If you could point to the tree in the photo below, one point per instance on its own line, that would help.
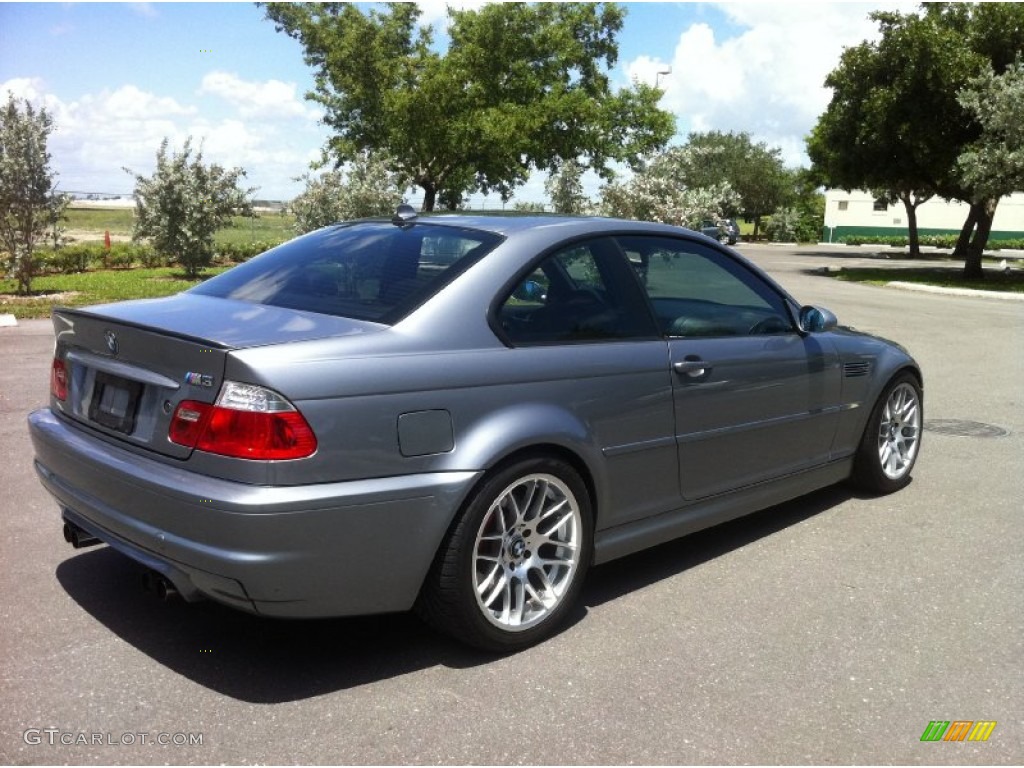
(367, 188)
(184, 203)
(802, 214)
(520, 87)
(880, 130)
(564, 188)
(894, 124)
(528, 206)
(993, 165)
(658, 192)
(755, 172)
(29, 202)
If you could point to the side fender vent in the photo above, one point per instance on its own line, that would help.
(856, 370)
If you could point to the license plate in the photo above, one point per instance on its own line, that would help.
(114, 402)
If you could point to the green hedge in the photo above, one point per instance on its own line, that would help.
(81, 257)
(937, 241)
(239, 252)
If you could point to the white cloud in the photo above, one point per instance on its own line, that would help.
(147, 10)
(769, 79)
(31, 88)
(435, 12)
(96, 135)
(270, 98)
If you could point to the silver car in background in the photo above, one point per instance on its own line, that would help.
(457, 414)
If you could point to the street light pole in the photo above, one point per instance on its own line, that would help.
(659, 73)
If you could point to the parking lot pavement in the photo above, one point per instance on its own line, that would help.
(831, 629)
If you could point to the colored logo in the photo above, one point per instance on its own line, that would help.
(199, 379)
(958, 730)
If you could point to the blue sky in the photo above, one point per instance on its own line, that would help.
(118, 77)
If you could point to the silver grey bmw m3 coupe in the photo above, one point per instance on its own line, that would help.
(457, 415)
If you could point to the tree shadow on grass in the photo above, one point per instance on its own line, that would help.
(262, 660)
(951, 276)
(882, 254)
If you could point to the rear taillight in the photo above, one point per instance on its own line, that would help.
(246, 422)
(59, 380)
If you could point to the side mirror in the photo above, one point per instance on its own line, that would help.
(816, 320)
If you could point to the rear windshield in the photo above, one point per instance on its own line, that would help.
(366, 270)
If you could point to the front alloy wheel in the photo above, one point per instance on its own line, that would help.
(899, 431)
(892, 438)
(511, 567)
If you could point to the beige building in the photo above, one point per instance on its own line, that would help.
(859, 213)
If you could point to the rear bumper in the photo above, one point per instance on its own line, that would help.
(332, 549)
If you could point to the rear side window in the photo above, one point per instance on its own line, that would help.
(367, 270)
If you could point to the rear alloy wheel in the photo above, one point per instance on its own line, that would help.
(892, 438)
(514, 563)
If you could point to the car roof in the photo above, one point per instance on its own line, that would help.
(562, 226)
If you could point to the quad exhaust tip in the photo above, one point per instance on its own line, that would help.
(78, 538)
(152, 581)
(159, 585)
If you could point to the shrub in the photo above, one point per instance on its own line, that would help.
(935, 241)
(236, 253)
(892, 240)
(74, 258)
(120, 258)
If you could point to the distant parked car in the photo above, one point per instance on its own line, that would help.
(732, 231)
(456, 413)
(723, 230)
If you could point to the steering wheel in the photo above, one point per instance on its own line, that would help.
(770, 324)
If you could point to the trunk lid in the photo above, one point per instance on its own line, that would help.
(129, 364)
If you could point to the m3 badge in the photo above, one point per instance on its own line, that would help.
(199, 379)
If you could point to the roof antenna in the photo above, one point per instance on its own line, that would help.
(405, 214)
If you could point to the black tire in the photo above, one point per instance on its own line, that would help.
(494, 557)
(892, 438)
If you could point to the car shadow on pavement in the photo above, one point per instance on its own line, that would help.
(266, 661)
(247, 657)
(620, 577)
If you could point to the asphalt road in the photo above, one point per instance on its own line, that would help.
(831, 629)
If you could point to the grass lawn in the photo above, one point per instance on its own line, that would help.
(947, 277)
(95, 287)
(269, 227)
(99, 220)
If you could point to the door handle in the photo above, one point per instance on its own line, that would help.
(692, 366)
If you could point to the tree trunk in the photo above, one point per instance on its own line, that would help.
(965, 233)
(912, 234)
(429, 195)
(757, 227)
(972, 262)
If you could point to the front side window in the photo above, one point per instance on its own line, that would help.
(366, 270)
(696, 291)
(581, 293)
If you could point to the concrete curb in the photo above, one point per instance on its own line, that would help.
(1001, 295)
